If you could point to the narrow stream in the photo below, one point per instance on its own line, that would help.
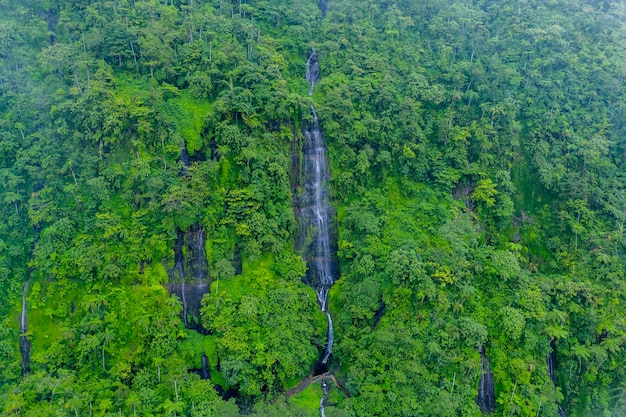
(325, 389)
(24, 342)
(330, 338)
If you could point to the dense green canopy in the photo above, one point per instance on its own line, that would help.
(478, 162)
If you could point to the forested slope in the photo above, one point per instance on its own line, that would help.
(477, 152)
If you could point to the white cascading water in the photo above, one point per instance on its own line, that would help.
(178, 265)
(325, 389)
(24, 342)
(189, 275)
(316, 216)
(23, 328)
(312, 71)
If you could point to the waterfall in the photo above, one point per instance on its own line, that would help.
(486, 398)
(379, 314)
(330, 339)
(323, 7)
(183, 157)
(24, 342)
(178, 266)
(319, 247)
(552, 365)
(188, 277)
(325, 390)
(200, 254)
(551, 360)
(316, 212)
(204, 373)
(312, 70)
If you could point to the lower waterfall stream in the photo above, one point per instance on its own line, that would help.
(24, 342)
(325, 389)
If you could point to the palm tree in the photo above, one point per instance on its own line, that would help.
(230, 95)
(172, 407)
(618, 394)
(107, 337)
(13, 198)
(582, 352)
(132, 400)
(144, 321)
(75, 402)
(158, 362)
(12, 182)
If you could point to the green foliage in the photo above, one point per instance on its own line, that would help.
(259, 345)
(190, 119)
(477, 161)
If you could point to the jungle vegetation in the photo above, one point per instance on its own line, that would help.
(478, 163)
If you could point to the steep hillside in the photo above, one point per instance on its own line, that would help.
(156, 214)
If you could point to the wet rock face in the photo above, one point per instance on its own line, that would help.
(551, 361)
(190, 294)
(486, 398)
(178, 257)
(184, 157)
(196, 265)
(379, 314)
(25, 352)
(237, 261)
(317, 216)
(323, 7)
(313, 72)
(552, 365)
(189, 278)
(205, 374)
